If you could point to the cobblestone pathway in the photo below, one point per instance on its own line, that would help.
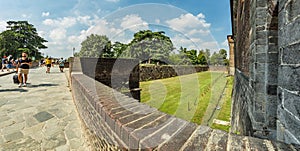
(41, 116)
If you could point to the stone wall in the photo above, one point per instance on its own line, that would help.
(288, 121)
(153, 72)
(120, 74)
(267, 74)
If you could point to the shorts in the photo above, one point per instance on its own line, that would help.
(48, 65)
(24, 71)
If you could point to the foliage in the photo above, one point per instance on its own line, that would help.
(119, 48)
(96, 46)
(187, 57)
(147, 45)
(21, 36)
(201, 59)
(219, 58)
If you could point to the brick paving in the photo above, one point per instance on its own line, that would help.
(41, 116)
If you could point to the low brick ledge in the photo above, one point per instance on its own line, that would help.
(117, 122)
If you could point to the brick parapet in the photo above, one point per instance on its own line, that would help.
(116, 122)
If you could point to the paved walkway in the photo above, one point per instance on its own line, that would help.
(41, 116)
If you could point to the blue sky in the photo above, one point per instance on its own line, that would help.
(194, 24)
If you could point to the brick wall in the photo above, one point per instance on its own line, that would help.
(114, 121)
(120, 74)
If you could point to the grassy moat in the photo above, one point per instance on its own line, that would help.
(199, 97)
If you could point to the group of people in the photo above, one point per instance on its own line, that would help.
(23, 64)
(49, 62)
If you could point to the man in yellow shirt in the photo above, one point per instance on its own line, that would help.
(48, 62)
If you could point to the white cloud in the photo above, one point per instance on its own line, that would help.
(58, 34)
(45, 14)
(3, 25)
(61, 22)
(85, 20)
(195, 32)
(188, 22)
(26, 16)
(200, 15)
(115, 1)
(134, 23)
(157, 21)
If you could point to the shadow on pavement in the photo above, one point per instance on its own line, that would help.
(42, 85)
(14, 90)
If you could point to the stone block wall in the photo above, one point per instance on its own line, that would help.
(288, 121)
(267, 55)
(256, 58)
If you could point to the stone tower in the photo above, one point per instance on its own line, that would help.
(266, 96)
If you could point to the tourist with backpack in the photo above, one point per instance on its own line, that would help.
(23, 68)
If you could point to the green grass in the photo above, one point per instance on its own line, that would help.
(220, 127)
(225, 111)
(189, 97)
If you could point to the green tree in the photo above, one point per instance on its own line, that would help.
(219, 58)
(147, 45)
(21, 36)
(96, 46)
(207, 55)
(119, 49)
(201, 58)
(192, 55)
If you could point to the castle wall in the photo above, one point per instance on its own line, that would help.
(256, 59)
(267, 77)
(288, 122)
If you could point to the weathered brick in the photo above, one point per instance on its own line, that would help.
(164, 134)
(177, 141)
(199, 139)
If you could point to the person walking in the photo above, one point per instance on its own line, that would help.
(48, 63)
(4, 62)
(61, 63)
(23, 68)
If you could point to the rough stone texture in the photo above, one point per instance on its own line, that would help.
(288, 122)
(267, 81)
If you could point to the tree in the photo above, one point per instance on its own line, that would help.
(147, 45)
(219, 58)
(21, 36)
(96, 46)
(192, 55)
(201, 58)
(119, 48)
(207, 55)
